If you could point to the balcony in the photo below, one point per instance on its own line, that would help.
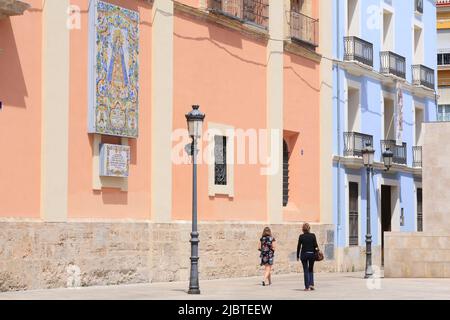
(398, 151)
(12, 8)
(423, 76)
(247, 11)
(418, 6)
(356, 49)
(304, 29)
(417, 157)
(393, 64)
(355, 143)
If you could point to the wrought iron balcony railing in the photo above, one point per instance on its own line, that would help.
(419, 5)
(304, 28)
(355, 142)
(250, 11)
(357, 49)
(417, 157)
(423, 76)
(398, 151)
(392, 63)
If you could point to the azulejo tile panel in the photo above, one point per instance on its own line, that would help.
(114, 160)
(114, 70)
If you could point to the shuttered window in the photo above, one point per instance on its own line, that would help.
(419, 210)
(220, 158)
(353, 214)
(285, 174)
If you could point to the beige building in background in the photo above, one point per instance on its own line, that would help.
(427, 254)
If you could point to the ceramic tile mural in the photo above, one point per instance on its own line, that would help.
(114, 70)
(114, 160)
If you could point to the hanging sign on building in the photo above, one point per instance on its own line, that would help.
(113, 70)
(114, 160)
(399, 115)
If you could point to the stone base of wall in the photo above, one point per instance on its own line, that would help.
(417, 255)
(353, 259)
(49, 255)
(38, 255)
(230, 250)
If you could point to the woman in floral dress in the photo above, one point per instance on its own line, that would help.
(267, 249)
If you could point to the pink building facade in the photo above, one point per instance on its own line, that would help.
(255, 72)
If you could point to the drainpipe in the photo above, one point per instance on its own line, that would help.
(338, 97)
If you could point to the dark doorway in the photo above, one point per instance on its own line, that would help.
(353, 204)
(386, 215)
(285, 174)
(419, 210)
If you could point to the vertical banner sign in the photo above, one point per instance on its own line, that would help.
(113, 70)
(399, 114)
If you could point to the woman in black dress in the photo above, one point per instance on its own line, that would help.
(267, 249)
(307, 245)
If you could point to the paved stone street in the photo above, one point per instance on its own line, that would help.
(285, 287)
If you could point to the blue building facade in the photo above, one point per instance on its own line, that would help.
(383, 90)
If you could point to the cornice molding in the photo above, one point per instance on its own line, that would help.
(357, 163)
(359, 69)
(302, 51)
(222, 20)
(12, 8)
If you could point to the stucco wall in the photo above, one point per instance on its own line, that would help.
(83, 201)
(20, 117)
(224, 72)
(302, 134)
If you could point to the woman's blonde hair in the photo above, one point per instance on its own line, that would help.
(267, 232)
(306, 228)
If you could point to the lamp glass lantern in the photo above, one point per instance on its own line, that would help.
(368, 155)
(388, 156)
(195, 122)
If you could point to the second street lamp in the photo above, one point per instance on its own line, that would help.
(368, 159)
(195, 124)
(387, 158)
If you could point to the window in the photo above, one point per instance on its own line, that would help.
(419, 116)
(220, 160)
(444, 112)
(418, 45)
(419, 211)
(388, 31)
(353, 196)
(353, 110)
(419, 6)
(353, 18)
(285, 174)
(443, 59)
(389, 124)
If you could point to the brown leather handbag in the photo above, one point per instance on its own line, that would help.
(319, 255)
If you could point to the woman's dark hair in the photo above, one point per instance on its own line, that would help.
(267, 232)
(306, 228)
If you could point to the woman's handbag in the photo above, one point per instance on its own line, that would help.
(319, 255)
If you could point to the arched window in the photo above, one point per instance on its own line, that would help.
(285, 174)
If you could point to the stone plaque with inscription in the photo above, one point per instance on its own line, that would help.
(114, 160)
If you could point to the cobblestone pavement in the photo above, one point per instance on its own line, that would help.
(285, 287)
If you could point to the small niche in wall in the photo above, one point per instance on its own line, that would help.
(111, 157)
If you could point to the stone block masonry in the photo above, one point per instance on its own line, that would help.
(417, 255)
(39, 255)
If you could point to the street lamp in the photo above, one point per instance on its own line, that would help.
(388, 155)
(368, 159)
(194, 122)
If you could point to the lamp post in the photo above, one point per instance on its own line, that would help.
(368, 159)
(388, 155)
(194, 122)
